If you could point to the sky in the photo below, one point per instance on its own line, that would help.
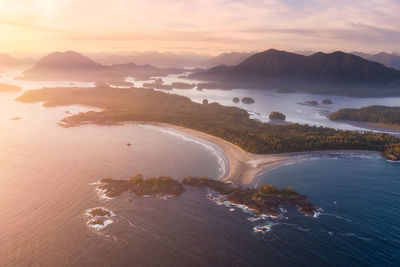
(200, 26)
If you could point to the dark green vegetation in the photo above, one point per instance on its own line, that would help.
(266, 199)
(162, 185)
(229, 123)
(310, 103)
(327, 101)
(382, 114)
(248, 100)
(180, 85)
(99, 212)
(275, 115)
(336, 73)
(9, 88)
(392, 152)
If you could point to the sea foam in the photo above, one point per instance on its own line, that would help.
(222, 161)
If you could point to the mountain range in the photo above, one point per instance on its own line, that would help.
(7, 61)
(333, 73)
(72, 66)
(391, 60)
(170, 59)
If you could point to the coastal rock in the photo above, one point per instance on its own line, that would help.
(248, 100)
(327, 101)
(275, 115)
(181, 85)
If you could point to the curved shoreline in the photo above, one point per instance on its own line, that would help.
(217, 150)
(242, 166)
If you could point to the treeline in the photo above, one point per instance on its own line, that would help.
(230, 123)
(382, 114)
(266, 199)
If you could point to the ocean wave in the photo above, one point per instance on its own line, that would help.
(393, 161)
(336, 216)
(98, 222)
(222, 161)
(263, 228)
(101, 193)
(317, 213)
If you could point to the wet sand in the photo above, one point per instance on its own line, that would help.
(243, 166)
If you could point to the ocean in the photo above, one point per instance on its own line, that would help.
(48, 180)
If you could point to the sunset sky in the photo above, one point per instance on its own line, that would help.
(202, 26)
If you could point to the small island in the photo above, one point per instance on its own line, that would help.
(236, 100)
(99, 217)
(205, 101)
(248, 100)
(327, 101)
(310, 103)
(121, 84)
(275, 115)
(181, 85)
(9, 88)
(267, 199)
(163, 185)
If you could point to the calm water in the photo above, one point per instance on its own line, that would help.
(360, 221)
(45, 188)
(268, 101)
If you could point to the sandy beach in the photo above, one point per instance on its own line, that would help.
(243, 166)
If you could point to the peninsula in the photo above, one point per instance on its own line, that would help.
(231, 124)
(388, 117)
(267, 199)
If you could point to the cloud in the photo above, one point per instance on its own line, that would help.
(218, 24)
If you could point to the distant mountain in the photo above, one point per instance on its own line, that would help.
(7, 61)
(72, 66)
(389, 60)
(145, 72)
(156, 59)
(172, 60)
(229, 59)
(335, 73)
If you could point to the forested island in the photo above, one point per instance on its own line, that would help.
(267, 199)
(229, 123)
(163, 185)
(379, 114)
(275, 115)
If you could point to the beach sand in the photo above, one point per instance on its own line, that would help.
(243, 166)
